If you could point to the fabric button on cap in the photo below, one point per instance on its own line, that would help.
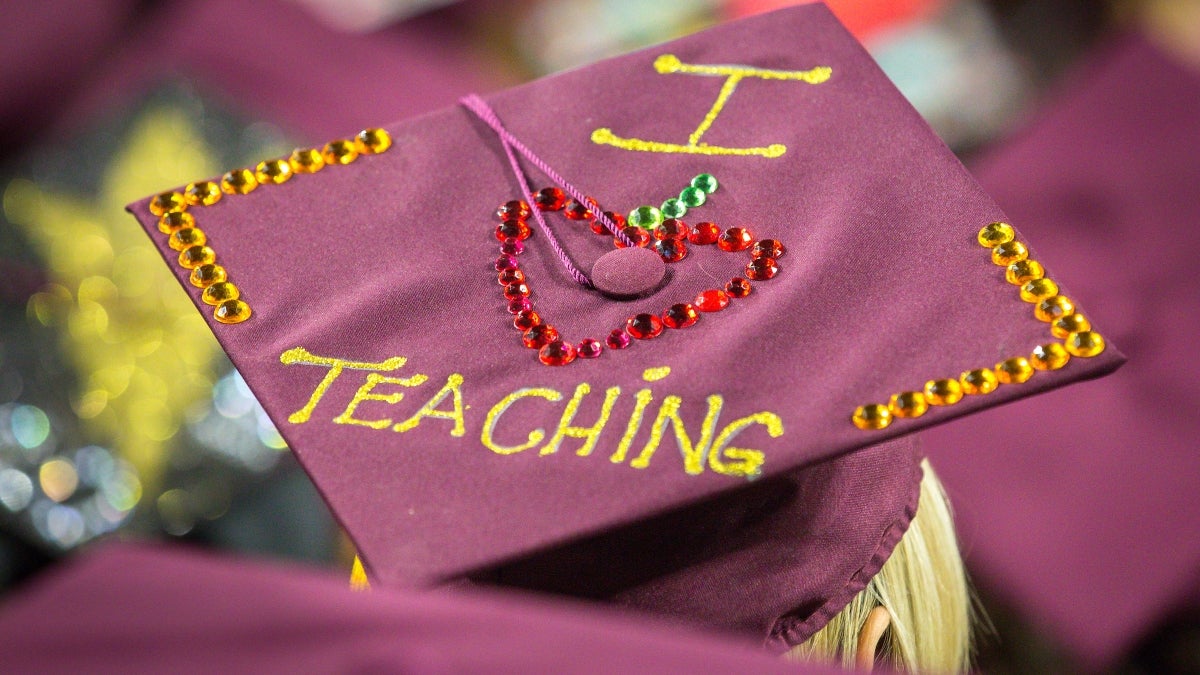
(628, 272)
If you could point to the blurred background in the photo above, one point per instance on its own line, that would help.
(120, 416)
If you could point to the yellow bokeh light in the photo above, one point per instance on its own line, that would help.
(58, 479)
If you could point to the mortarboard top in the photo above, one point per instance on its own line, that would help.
(383, 347)
(133, 609)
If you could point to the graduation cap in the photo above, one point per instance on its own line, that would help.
(657, 330)
(123, 609)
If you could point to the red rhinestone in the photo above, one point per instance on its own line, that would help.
(512, 246)
(517, 290)
(550, 199)
(644, 326)
(527, 319)
(616, 218)
(761, 268)
(618, 339)
(636, 234)
(712, 300)
(704, 233)
(768, 248)
(518, 305)
(737, 287)
(539, 336)
(671, 250)
(576, 211)
(590, 349)
(505, 262)
(735, 239)
(514, 210)
(672, 228)
(557, 353)
(680, 315)
(513, 276)
(513, 229)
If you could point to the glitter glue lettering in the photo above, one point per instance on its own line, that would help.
(706, 445)
(590, 434)
(453, 388)
(733, 74)
(303, 356)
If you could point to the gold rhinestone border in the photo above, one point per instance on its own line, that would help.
(1072, 328)
(173, 209)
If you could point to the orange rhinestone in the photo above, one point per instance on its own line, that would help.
(908, 404)
(204, 193)
(339, 152)
(1009, 252)
(273, 171)
(979, 381)
(1054, 308)
(175, 220)
(1038, 290)
(557, 353)
(167, 202)
(1050, 356)
(238, 182)
(1014, 371)
(735, 239)
(768, 248)
(232, 311)
(196, 256)
(738, 287)
(526, 319)
(995, 234)
(220, 292)
(539, 336)
(872, 416)
(943, 392)
(206, 275)
(188, 236)
(712, 300)
(306, 160)
(1071, 323)
(761, 268)
(680, 315)
(510, 276)
(1085, 343)
(1024, 270)
(372, 141)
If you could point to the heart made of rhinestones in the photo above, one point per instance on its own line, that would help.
(668, 237)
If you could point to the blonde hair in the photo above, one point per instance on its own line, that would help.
(923, 586)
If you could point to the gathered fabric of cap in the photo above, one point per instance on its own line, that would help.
(1087, 526)
(369, 322)
(136, 609)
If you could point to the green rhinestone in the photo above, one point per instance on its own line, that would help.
(693, 196)
(706, 182)
(646, 217)
(673, 208)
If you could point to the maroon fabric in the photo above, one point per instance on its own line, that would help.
(884, 287)
(126, 609)
(273, 59)
(48, 47)
(775, 559)
(1089, 524)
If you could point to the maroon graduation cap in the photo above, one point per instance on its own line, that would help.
(133, 609)
(743, 274)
